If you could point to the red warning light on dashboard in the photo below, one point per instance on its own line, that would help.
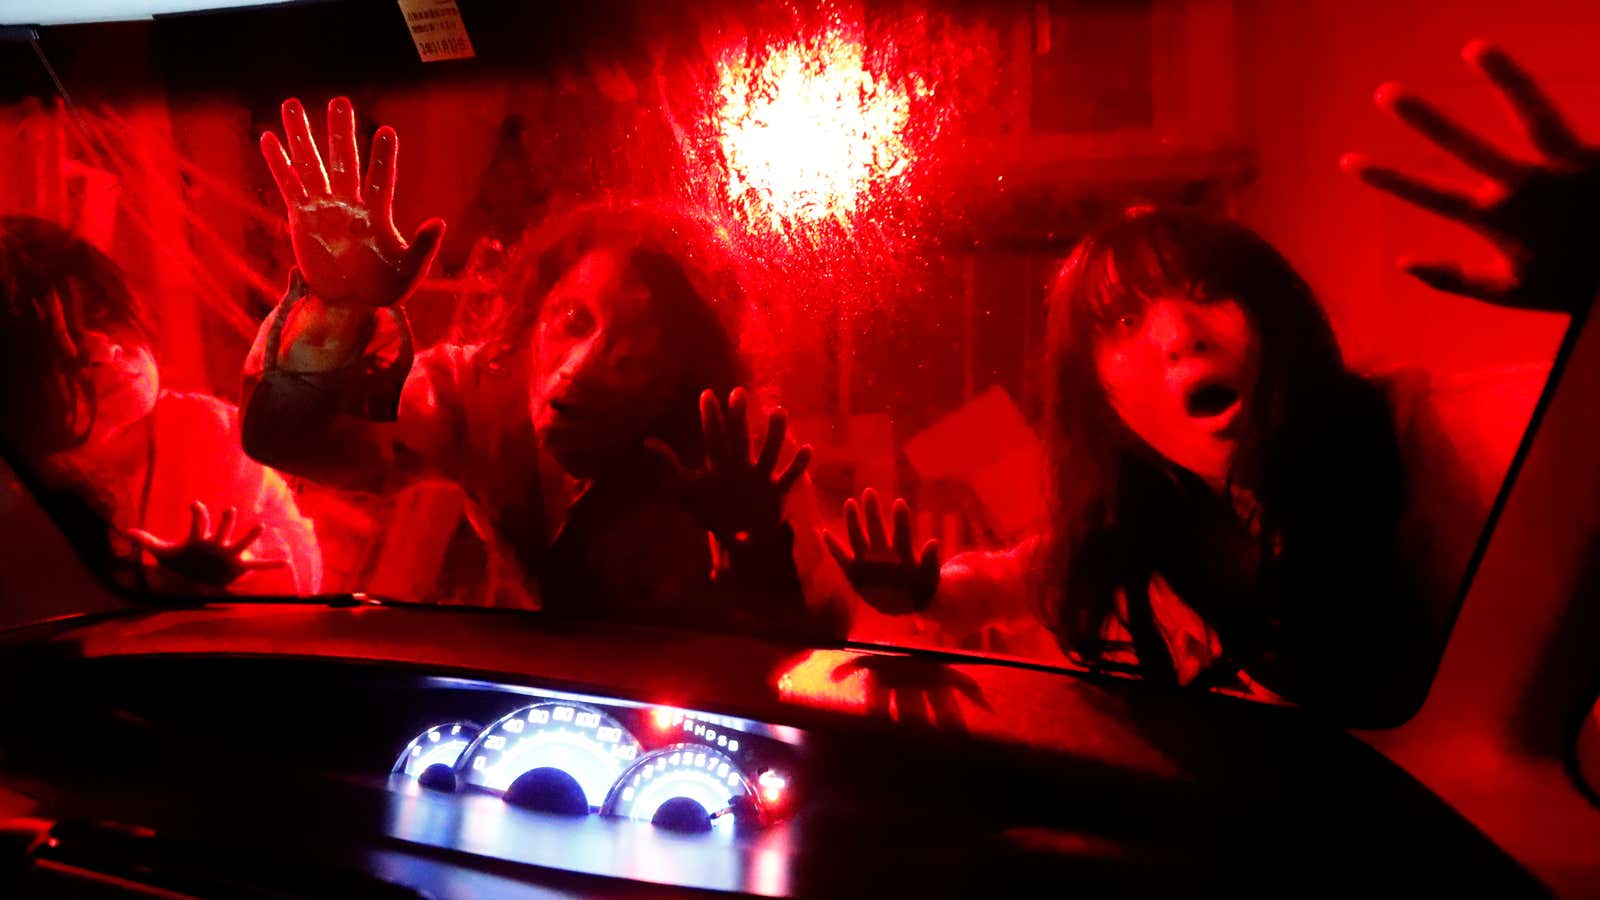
(664, 718)
(772, 786)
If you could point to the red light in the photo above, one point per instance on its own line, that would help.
(807, 130)
(663, 718)
(772, 786)
(820, 133)
(826, 678)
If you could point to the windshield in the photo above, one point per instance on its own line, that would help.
(1048, 330)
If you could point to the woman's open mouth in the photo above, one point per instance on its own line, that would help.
(1211, 400)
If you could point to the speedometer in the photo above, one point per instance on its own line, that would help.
(685, 787)
(556, 757)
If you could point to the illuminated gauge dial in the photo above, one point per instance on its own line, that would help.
(557, 757)
(685, 787)
(439, 745)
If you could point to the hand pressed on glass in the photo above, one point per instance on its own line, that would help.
(343, 231)
(739, 499)
(1543, 215)
(212, 557)
(881, 566)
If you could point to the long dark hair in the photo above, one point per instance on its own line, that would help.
(1319, 457)
(693, 275)
(54, 286)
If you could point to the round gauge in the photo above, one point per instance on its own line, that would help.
(439, 745)
(685, 787)
(560, 757)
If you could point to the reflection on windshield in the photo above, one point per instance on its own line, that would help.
(998, 331)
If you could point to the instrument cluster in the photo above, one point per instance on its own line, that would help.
(555, 752)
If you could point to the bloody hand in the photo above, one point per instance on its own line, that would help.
(1543, 216)
(342, 227)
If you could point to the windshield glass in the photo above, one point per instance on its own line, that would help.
(1043, 330)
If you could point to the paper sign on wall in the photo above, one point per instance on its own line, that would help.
(437, 29)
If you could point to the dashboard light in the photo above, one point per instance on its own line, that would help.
(708, 778)
(722, 740)
(593, 753)
(434, 746)
(772, 786)
(663, 718)
(578, 756)
(733, 746)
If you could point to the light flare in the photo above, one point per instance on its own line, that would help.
(809, 132)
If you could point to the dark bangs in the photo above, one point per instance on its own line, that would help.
(55, 286)
(697, 246)
(49, 273)
(1165, 253)
(1179, 253)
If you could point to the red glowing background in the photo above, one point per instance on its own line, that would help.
(903, 177)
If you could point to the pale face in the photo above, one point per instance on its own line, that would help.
(1180, 373)
(122, 371)
(601, 369)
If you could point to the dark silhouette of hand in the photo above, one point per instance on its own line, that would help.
(1543, 215)
(914, 692)
(739, 499)
(212, 558)
(880, 565)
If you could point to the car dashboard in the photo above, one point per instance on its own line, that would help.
(452, 775)
(239, 751)
(559, 779)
